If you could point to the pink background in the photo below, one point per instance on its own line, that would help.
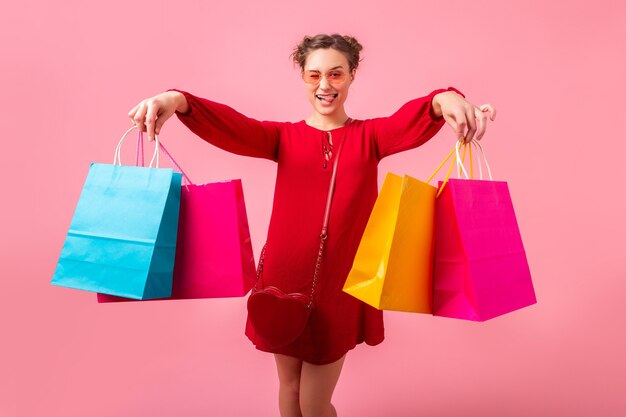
(71, 70)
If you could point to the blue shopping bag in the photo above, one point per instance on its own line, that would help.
(122, 238)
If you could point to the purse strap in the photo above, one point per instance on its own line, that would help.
(324, 232)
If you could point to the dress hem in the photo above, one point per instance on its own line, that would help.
(324, 361)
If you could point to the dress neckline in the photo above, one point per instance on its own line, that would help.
(350, 120)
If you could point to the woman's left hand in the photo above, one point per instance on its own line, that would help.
(468, 120)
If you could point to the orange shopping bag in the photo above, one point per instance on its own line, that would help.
(393, 266)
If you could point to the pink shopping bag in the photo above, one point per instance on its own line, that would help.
(481, 269)
(214, 252)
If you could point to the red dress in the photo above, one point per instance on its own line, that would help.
(339, 322)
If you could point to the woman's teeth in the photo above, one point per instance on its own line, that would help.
(329, 98)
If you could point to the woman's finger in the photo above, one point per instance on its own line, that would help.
(459, 130)
(471, 123)
(151, 117)
(140, 116)
(132, 111)
(489, 108)
(481, 117)
(461, 122)
(160, 121)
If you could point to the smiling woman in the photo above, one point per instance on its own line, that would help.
(327, 82)
(294, 259)
(328, 65)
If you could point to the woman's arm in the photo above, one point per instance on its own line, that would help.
(216, 123)
(409, 127)
(420, 119)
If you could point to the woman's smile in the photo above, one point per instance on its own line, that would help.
(326, 98)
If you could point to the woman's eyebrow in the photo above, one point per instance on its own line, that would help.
(333, 68)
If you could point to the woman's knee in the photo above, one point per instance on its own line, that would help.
(317, 409)
(291, 387)
(317, 385)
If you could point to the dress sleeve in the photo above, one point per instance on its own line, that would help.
(409, 127)
(230, 130)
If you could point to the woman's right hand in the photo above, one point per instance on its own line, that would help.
(150, 114)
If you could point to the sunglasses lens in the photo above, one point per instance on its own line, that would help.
(333, 77)
(336, 77)
(311, 77)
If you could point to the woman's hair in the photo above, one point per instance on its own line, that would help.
(347, 45)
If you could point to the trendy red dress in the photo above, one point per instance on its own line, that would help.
(339, 322)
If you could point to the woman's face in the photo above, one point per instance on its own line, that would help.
(327, 79)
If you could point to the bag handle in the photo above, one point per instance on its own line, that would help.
(460, 165)
(139, 155)
(117, 159)
(169, 156)
(447, 177)
(439, 168)
(458, 161)
(139, 151)
(482, 152)
(185, 177)
(452, 152)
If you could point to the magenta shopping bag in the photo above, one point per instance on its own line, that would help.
(481, 269)
(214, 252)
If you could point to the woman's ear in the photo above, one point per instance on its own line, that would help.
(352, 74)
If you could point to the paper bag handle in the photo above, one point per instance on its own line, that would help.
(139, 153)
(461, 167)
(117, 159)
(458, 161)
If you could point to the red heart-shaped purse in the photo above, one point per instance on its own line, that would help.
(277, 317)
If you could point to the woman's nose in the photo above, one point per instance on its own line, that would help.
(324, 84)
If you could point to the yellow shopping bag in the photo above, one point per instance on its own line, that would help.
(393, 266)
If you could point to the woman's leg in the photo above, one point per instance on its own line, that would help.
(317, 384)
(289, 371)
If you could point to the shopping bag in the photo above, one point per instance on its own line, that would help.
(481, 270)
(122, 238)
(392, 269)
(214, 251)
(393, 266)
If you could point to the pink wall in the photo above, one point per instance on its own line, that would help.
(71, 70)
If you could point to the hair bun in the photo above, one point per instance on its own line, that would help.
(354, 44)
(348, 45)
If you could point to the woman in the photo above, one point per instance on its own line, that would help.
(309, 368)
